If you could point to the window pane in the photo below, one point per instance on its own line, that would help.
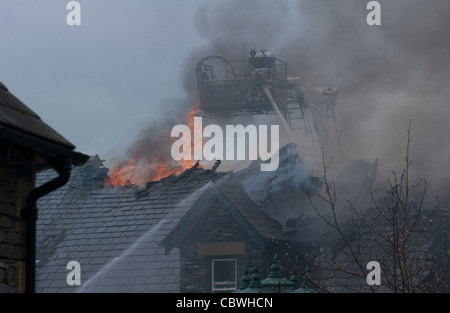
(224, 270)
(224, 275)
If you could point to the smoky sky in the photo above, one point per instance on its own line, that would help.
(225, 36)
(386, 75)
(124, 57)
(98, 84)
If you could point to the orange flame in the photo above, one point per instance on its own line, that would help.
(138, 171)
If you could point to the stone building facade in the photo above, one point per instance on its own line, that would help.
(193, 232)
(16, 181)
(220, 237)
(27, 144)
(217, 236)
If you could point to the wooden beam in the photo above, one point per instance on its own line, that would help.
(221, 248)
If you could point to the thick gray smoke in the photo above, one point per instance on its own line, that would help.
(225, 39)
(232, 28)
(386, 75)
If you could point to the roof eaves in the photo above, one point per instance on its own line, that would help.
(41, 145)
(242, 220)
(19, 125)
(188, 221)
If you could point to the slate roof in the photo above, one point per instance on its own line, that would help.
(15, 114)
(267, 227)
(281, 194)
(20, 125)
(115, 233)
(229, 193)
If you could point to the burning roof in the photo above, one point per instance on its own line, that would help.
(153, 165)
(113, 230)
(128, 238)
(117, 232)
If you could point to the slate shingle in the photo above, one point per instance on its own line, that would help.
(111, 232)
(115, 233)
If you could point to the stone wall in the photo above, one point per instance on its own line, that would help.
(219, 226)
(16, 180)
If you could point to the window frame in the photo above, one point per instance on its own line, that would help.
(213, 283)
